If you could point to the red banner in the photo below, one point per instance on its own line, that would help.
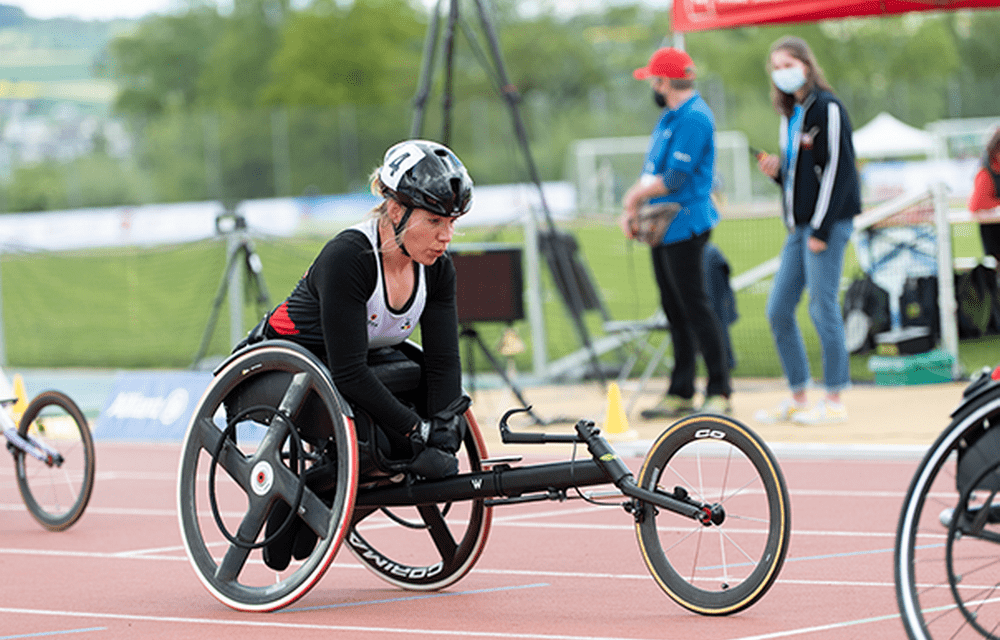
(701, 15)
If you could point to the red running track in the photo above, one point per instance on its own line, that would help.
(549, 571)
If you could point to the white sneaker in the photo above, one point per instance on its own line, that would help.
(825, 412)
(784, 412)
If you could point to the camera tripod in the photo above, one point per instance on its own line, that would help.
(473, 339)
(561, 261)
(240, 250)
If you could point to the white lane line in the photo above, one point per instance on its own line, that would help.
(160, 476)
(410, 598)
(825, 627)
(536, 573)
(43, 634)
(272, 624)
(409, 630)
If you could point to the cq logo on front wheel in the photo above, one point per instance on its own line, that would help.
(710, 433)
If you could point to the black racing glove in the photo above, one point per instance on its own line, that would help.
(447, 427)
(433, 463)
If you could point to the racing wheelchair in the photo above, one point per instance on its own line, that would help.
(948, 534)
(271, 434)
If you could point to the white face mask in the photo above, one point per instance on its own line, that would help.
(789, 79)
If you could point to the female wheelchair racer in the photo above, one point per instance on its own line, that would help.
(331, 428)
(363, 296)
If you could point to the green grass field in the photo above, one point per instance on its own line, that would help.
(148, 307)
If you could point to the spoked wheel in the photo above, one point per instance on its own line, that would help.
(56, 489)
(269, 441)
(427, 547)
(972, 531)
(948, 538)
(724, 566)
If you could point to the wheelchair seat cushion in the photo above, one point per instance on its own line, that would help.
(393, 369)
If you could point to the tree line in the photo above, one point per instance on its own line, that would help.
(270, 100)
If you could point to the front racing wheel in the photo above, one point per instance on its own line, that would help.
(724, 565)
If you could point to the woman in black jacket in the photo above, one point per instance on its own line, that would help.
(820, 197)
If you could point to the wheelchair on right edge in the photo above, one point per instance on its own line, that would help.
(709, 505)
(947, 553)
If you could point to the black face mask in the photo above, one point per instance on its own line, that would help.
(659, 99)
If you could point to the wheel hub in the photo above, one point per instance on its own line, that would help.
(261, 478)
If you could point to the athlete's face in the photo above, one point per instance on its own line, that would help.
(427, 235)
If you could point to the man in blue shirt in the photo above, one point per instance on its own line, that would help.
(679, 168)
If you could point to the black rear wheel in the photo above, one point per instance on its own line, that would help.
(269, 436)
(427, 547)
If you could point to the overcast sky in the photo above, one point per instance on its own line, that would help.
(106, 9)
(91, 9)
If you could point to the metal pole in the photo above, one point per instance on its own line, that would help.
(234, 244)
(426, 72)
(3, 340)
(563, 260)
(536, 317)
(449, 75)
(947, 305)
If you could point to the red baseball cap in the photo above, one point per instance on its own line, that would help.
(667, 63)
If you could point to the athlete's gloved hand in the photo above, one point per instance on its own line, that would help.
(447, 427)
(432, 463)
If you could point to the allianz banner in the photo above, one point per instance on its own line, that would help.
(151, 405)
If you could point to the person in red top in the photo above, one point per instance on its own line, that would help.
(986, 195)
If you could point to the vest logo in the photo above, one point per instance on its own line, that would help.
(133, 405)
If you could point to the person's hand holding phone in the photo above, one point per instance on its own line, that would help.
(768, 164)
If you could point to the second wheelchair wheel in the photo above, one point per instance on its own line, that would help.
(948, 535)
(267, 478)
(55, 486)
(727, 564)
(428, 547)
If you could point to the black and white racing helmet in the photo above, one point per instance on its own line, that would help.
(420, 174)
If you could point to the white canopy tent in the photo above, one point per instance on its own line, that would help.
(888, 137)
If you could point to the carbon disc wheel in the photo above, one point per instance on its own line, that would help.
(428, 547)
(270, 390)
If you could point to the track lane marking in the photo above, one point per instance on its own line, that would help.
(423, 596)
(411, 631)
(43, 634)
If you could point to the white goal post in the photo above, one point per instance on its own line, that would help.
(604, 167)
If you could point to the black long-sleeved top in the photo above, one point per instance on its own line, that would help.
(328, 313)
(826, 186)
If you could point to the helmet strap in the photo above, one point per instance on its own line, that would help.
(399, 228)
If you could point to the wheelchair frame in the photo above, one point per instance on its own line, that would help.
(728, 485)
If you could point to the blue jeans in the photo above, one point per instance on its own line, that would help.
(819, 272)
